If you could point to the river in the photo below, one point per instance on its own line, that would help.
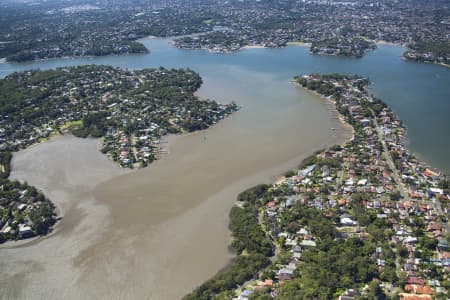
(158, 232)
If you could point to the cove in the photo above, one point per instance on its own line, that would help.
(418, 93)
(158, 232)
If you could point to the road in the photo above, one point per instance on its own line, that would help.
(269, 236)
(387, 156)
(403, 191)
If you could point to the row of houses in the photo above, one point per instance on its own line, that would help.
(372, 177)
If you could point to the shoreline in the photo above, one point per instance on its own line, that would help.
(217, 204)
(331, 105)
(59, 211)
(338, 138)
(67, 125)
(172, 43)
(4, 61)
(230, 192)
(64, 130)
(383, 42)
(405, 140)
(425, 62)
(247, 285)
(254, 47)
(300, 44)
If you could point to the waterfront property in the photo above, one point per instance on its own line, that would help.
(132, 110)
(363, 219)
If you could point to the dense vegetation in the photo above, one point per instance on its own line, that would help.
(326, 88)
(94, 124)
(241, 269)
(97, 49)
(429, 51)
(24, 97)
(247, 233)
(5, 161)
(355, 46)
(438, 47)
(335, 264)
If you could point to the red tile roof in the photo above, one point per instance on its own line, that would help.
(419, 289)
(415, 280)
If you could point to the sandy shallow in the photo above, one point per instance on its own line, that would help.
(254, 47)
(154, 233)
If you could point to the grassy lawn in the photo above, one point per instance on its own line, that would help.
(72, 124)
(298, 43)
